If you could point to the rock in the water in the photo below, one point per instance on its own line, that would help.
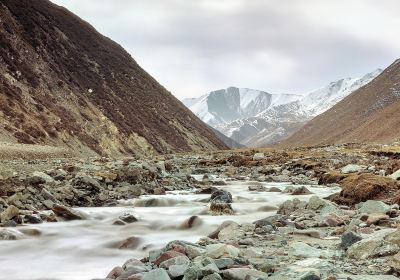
(9, 213)
(128, 218)
(68, 213)
(10, 234)
(302, 190)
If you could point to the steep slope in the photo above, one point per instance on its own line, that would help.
(260, 119)
(370, 114)
(62, 83)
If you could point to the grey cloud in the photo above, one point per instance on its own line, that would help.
(192, 48)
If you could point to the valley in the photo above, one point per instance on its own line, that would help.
(275, 214)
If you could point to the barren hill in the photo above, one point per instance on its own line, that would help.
(64, 84)
(370, 114)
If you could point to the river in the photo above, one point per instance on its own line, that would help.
(88, 249)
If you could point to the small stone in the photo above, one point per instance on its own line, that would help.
(348, 239)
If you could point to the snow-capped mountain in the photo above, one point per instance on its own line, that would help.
(227, 105)
(256, 118)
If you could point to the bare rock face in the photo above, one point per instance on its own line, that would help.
(62, 83)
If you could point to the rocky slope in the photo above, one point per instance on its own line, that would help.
(255, 118)
(370, 114)
(64, 84)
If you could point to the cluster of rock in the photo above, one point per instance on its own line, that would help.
(304, 240)
(48, 196)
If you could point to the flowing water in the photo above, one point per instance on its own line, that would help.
(82, 250)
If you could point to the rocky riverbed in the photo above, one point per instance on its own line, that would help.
(326, 213)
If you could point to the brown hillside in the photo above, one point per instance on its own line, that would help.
(62, 83)
(370, 114)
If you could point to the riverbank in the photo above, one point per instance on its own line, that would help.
(105, 209)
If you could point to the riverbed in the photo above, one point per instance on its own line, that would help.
(89, 249)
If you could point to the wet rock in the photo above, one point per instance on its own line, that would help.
(348, 239)
(9, 213)
(257, 188)
(159, 191)
(33, 219)
(193, 221)
(130, 243)
(221, 202)
(128, 218)
(115, 272)
(274, 189)
(68, 213)
(10, 234)
(118, 223)
(290, 206)
(221, 196)
(302, 190)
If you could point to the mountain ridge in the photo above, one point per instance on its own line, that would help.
(369, 114)
(65, 84)
(276, 120)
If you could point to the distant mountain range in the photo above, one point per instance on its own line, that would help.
(257, 118)
(370, 114)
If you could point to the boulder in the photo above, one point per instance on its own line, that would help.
(244, 274)
(358, 188)
(128, 218)
(373, 206)
(156, 274)
(289, 206)
(348, 239)
(10, 234)
(293, 190)
(68, 213)
(9, 213)
(395, 175)
(258, 156)
(352, 168)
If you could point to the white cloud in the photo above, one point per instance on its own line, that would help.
(194, 46)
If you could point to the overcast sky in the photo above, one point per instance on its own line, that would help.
(291, 46)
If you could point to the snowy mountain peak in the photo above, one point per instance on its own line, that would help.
(230, 104)
(258, 118)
